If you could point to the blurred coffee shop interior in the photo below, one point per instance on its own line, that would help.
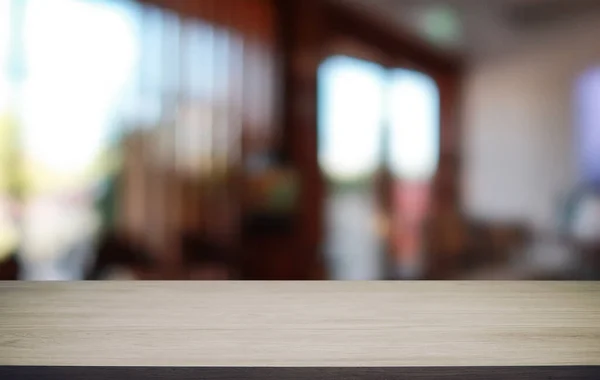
(299, 139)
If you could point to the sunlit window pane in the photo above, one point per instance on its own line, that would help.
(413, 105)
(76, 81)
(351, 97)
(80, 56)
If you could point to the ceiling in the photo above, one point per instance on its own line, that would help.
(476, 28)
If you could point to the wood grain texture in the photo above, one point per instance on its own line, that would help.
(300, 323)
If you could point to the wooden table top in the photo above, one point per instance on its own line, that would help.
(300, 323)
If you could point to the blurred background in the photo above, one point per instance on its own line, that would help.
(299, 139)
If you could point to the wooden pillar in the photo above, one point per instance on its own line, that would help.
(302, 31)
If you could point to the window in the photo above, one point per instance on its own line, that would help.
(413, 106)
(70, 67)
(351, 100)
(356, 100)
(118, 102)
(350, 122)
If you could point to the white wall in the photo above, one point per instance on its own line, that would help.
(518, 138)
